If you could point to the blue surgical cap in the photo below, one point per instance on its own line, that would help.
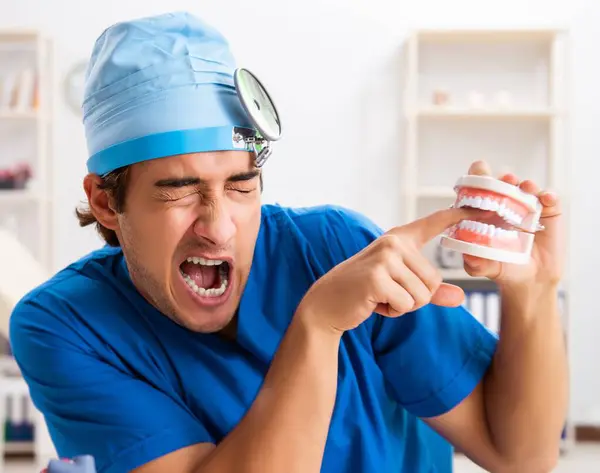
(160, 86)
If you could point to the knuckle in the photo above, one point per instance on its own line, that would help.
(379, 276)
(380, 259)
(389, 242)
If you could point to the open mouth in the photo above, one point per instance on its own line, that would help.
(504, 229)
(206, 277)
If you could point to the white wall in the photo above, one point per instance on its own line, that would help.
(334, 69)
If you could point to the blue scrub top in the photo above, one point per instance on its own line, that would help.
(118, 380)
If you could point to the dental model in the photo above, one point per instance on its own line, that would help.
(506, 228)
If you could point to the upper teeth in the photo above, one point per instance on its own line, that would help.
(204, 261)
(485, 203)
(489, 230)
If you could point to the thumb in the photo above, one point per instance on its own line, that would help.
(448, 295)
(481, 267)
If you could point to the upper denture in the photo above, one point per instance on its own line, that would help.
(510, 210)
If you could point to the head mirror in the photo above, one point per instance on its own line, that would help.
(258, 104)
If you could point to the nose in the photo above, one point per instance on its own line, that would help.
(216, 225)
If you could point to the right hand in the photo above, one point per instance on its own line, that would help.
(391, 276)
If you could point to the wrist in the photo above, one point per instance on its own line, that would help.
(528, 299)
(527, 291)
(310, 322)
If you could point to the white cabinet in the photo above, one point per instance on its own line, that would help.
(25, 191)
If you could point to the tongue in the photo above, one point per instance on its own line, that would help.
(204, 276)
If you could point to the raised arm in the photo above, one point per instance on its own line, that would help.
(503, 403)
(518, 413)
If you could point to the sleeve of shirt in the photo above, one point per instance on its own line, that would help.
(432, 358)
(90, 406)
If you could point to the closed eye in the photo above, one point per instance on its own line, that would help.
(178, 188)
(173, 196)
(243, 191)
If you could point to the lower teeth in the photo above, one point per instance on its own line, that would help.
(212, 292)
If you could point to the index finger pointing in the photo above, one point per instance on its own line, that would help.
(426, 228)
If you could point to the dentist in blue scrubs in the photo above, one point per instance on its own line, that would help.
(215, 334)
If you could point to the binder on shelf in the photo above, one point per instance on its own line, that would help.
(484, 305)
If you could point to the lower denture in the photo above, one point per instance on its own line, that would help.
(486, 240)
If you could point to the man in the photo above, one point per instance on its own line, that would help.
(216, 334)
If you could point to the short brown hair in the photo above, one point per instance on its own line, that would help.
(115, 185)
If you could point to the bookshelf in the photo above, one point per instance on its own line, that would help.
(25, 139)
(26, 113)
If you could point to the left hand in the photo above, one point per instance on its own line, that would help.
(546, 264)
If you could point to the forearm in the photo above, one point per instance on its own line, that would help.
(526, 393)
(286, 427)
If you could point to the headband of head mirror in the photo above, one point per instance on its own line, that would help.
(157, 87)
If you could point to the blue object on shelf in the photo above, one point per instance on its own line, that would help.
(22, 432)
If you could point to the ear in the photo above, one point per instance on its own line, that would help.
(99, 202)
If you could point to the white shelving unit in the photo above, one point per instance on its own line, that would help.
(26, 80)
(496, 95)
(26, 111)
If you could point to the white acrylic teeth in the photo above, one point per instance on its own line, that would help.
(511, 241)
(485, 203)
(487, 229)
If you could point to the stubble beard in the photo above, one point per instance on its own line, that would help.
(150, 287)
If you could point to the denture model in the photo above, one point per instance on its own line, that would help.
(504, 230)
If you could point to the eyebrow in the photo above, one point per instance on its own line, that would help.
(178, 182)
